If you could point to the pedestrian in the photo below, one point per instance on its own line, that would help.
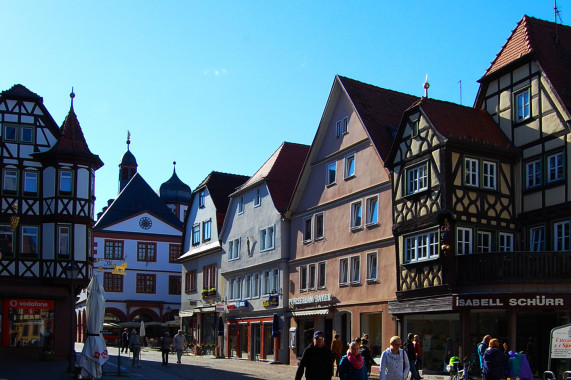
(166, 342)
(495, 361)
(316, 361)
(337, 351)
(394, 361)
(135, 347)
(418, 352)
(367, 356)
(179, 343)
(352, 366)
(411, 354)
(482, 347)
(125, 341)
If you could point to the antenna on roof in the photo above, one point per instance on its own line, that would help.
(460, 82)
(557, 12)
(128, 139)
(426, 85)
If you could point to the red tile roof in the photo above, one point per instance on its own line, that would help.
(549, 43)
(380, 110)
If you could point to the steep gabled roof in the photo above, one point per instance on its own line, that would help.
(380, 110)
(135, 198)
(280, 172)
(549, 43)
(21, 92)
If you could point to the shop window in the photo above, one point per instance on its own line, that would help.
(30, 323)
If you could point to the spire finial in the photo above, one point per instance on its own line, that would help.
(174, 166)
(426, 85)
(128, 139)
(72, 95)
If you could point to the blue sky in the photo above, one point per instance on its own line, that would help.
(219, 85)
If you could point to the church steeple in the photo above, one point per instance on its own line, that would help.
(128, 166)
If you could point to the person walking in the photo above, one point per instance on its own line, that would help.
(394, 361)
(495, 360)
(125, 341)
(411, 354)
(316, 361)
(352, 366)
(337, 351)
(366, 354)
(482, 347)
(166, 342)
(135, 347)
(418, 352)
(179, 344)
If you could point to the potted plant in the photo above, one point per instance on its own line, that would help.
(212, 291)
(204, 293)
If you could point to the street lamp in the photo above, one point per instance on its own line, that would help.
(71, 272)
(168, 313)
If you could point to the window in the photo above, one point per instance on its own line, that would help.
(63, 240)
(463, 241)
(414, 128)
(30, 240)
(257, 198)
(6, 241)
(275, 281)
(146, 251)
(65, 182)
(190, 281)
(231, 287)
(343, 271)
(266, 283)
(175, 285)
(489, 175)
(555, 167)
(561, 236)
(255, 285)
(533, 174)
(307, 229)
(235, 288)
(146, 283)
(312, 276)
(350, 166)
(27, 135)
(537, 239)
(372, 210)
(206, 230)
(506, 243)
(114, 249)
(319, 226)
(234, 249)
(10, 181)
(321, 274)
(522, 111)
(372, 266)
(331, 173)
(112, 282)
(421, 247)
(30, 183)
(174, 252)
(248, 287)
(303, 277)
(356, 219)
(355, 269)
(417, 179)
(209, 277)
(201, 198)
(342, 126)
(471, 172)
(267, 239)
(10, 133)
(241, 205)
(484, 241)
(196, 234)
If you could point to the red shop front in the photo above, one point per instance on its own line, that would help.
(250, 338)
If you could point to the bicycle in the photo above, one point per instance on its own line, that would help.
(461, 374)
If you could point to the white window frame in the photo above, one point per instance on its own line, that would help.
(331, 168)
(356, 215)
(303, 278)
(275, 281)
(32, 233)
(307, 229)
(30, 177)
(257, 198)
(344, 271)
(484, 241)
(317, 233)
(256, 285)
(421, 247)
(355, 272)
(417, 178)
(231, 285)
(239, 285)
(64, 240)
(234, 249)
(247, 286)
(537, 239)
(195, 236)
(350, 162)
(372, 211)
(372, 266)
(207, 228)
(533, 174)
(555, 167)
(489, 175)
(505, 242)
(471, 171)
(201, 198)
(342, 127)
(522, 109)
(266, 283)
(240, 205)
(267, 238)
(321, 274)
(65, 179)
(464, 241)
(561, 236)
(10, 182)
(311, 276)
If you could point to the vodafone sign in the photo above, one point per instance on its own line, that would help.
(16, 303)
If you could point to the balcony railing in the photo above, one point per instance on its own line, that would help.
(513, 267)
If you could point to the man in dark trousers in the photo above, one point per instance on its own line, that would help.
(317, 360)
(410, 352)
(125, 341)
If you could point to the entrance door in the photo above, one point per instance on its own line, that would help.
(268, 342)
(256, 341)
(328, 331)
(345, 334)
(243, 340)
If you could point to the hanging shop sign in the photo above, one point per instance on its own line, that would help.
(272, 301)
(243, 304)
(528, 301)
(319, 298)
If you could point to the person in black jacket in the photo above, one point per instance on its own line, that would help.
(495, 361)
(317, 360)
(125, 341)
(366, 354)
(411, 353)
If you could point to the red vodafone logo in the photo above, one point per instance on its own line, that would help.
(13, 303)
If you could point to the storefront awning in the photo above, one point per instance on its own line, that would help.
(209, 309)
(302, 313)
(185, 313)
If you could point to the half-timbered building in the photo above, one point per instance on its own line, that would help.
(47, 198)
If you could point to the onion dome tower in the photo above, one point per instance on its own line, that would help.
(175, 194)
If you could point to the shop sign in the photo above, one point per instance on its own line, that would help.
(30, 304)
(219, 308)
(514, 301)
(238, 305)
(272, 301)
(561, 342)
(310, 299)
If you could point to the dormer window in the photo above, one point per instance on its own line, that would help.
(342, 126)
(258, 198)
(522, 108)
(241, 205)
(201, 198)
